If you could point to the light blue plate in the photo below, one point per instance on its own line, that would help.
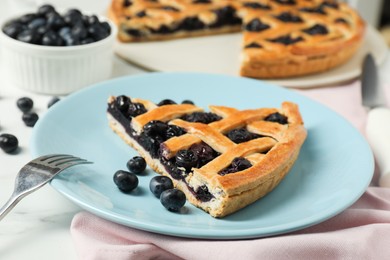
(333, 170)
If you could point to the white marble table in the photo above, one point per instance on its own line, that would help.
(38, 228)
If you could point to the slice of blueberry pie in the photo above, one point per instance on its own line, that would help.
(223, 160)
(281, 38)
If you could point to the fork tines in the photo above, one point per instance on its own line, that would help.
(62, 160)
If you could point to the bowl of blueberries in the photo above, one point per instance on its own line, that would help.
(57, 53)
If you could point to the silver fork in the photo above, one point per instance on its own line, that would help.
(37, 173)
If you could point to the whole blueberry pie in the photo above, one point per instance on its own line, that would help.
(223, 160)
(281, 38)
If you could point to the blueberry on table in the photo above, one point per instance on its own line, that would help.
(126, 181)
(173, 199)
(30, 118)
(8, 143)
(158, 184)
(136, 164)
(25, 104)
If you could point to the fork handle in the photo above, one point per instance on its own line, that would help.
(10, 204)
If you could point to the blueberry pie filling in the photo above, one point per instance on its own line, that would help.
(316, 30)
(256, 25)
(210, 155)
(254, 45)
(255, 5)
(286, 39)
(289, 18)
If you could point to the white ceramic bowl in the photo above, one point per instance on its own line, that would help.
(56, 70)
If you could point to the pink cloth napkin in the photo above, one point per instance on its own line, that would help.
(360, 232)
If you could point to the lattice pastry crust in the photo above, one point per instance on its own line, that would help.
(243, 167)
(281, 38)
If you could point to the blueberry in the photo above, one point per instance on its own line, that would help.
(254, 5)
(126, 181)
(25, 104)
(277, 118)
(136, 164)
(256, 25)
(93, 19)
(106, 26)
(225, 15)
(79, 31)
(52, 101)
(240, 163)
(55, 21)
(87, 41)
(173, 199)
(150, 145)
(174, 130)
(30, 118)
(154, 128)
(202, 193)
(122, 103)
(27, 18)
(97, 32)
(241, 135)
(136, 109)
(289, 18)
(186, 101)
(51, 38)
(191, 24)
(204, 153)
(45, 9)
(158, 184)
(28, 36)
(71, 41)
(201, 117)
(316, 29)
(166, 102)
(37, 22)
(8, 143)
(72, 17)
(286, 39)
(41, 30)
(186, 159)
(12, 29)
(64, 32)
